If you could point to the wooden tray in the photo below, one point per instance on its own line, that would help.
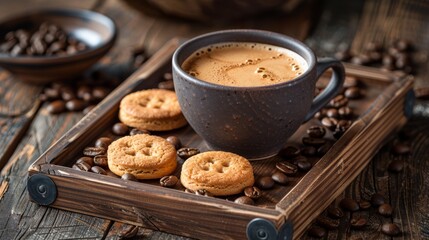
(282, 211)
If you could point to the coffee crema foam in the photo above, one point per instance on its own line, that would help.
(245, 64)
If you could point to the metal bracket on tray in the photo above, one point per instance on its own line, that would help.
(262, 229)
(42, 189)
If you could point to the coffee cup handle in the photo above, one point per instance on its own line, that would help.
(333, 88)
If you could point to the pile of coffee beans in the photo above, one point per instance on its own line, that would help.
(47, 40)
(395, 57)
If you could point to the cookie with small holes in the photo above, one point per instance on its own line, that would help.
(142, 155)
(220, 173)
(152, 109)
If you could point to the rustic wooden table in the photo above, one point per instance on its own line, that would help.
(27, 129)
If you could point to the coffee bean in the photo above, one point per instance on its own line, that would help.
(94, 151)
(377, 199)
(322, 150)
(168, 85)
(203, 192)
(316, 131)
(316, 232)
(175, 141)
(189, 191)
(101, 160)
(316, 142)
(67, 94)
(337, 133)
(87, 160)
(361, 60)
(99, 93)
(128, 177)
(244, 200)
(56, 107)
(401, 148)
(385, 210)
(349, 204)
(388, 60)
(396, 166)
(332, 113)
(390, 229)
(84, 92)
(344, 55)
(103, 142)
(327, 223)
(402, 45)
(358, 223)
(352, 93)
(265, 182)
(186, 153)
(338, 101)
(168, 181)
(373, 46)
(280, 178)
(252, 192)
(52, 93)
(286, 167)
(329, 123)
(75, 105)
(364, 205)
(136, 131)
(98, 170)
(289, 152)
(309, 151)
(345, 112)
(303, 165)
(82, 166)
(375, 57)
(335, 212)
(120, 129)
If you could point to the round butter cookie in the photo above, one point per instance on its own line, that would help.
(144, 156)
(220, 173)
(152, 109)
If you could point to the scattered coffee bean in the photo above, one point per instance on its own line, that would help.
(385, 210)
(338, 101)
(265, 182)
(87, 160)
(390, 229)
(56, 107)
(252, 192)
(345, 112)
(358, 223)
(82, 166)
(203, 192)
(316, 232)
(94, 151)
(303, 164)
(322, 150)
(189, 191)
(330, 123)
(335, 212)
(361, 60)
(244, 200)
(129, 177)
(350, 81)
(396, 166)
(136, 131)
(103, 142)
(280, 178)
(75, 105)
(401, 148)
(349, 204)
(343, 55)
(316, 142)
(327, 223)
(332, 113)
(364, 205)
(377, 199)
(168, 181)
(316, 131)
(352, 93)
(289, 152)
(186, 153)
(67, 94)
(175, 141)
(309, 151)
(120, 129)
(101, 160)
(98, 170)
(286, 167)
(99, 93)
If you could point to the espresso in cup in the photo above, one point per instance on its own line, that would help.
(247, 91)
(245, 64)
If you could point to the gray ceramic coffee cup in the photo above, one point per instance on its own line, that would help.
(254, 122)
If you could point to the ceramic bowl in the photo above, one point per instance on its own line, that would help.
(97, 31)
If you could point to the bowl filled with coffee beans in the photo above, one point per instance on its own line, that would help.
(54, 44)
